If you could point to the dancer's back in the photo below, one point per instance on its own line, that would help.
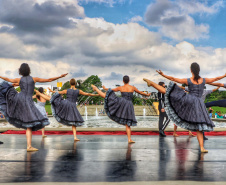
(27, 86)
(72, 95)
(196, 89)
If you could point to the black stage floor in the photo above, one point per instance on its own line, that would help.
(108, 158)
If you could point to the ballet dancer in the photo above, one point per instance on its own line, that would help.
(65, 111)
(41, 102)
(188, 110)
(120, 109)
(19, 108)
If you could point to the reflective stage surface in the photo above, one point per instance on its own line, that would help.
(99, 158)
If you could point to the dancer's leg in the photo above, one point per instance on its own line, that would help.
(43, 132)
(156, 86)
(175, 131)
(128, 131)
(161, 120)
(200, 139)
(98, 91)
(219, 103)
(74, 133)
(29, 137)
(166, 123)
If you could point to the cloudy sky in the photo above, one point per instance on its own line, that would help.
(112, 38)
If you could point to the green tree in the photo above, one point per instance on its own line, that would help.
(65, 86)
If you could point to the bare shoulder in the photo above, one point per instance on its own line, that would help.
(35, 79)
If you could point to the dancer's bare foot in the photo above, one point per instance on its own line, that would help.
(76, 139)
(149, 82)
(175, 135)
(204, 151)
(94, 87)
(131, 141)
(192, 135)
(31, 149)
(44, 136)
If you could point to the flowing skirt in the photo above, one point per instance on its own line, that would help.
(119, 109)
(65, 111)
(187, 111)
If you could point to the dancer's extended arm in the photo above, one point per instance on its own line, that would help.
(115, 89)
(15, 84)
(217, 84)
(46, 97)
(33, 97)
(60, 92)
(15, 80)
(216, 89)
(211, 80)
(142, 93)
(87, 94)
(42, 80)
(178, 80)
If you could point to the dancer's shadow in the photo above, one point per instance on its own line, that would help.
(123, 170)
(67, 167)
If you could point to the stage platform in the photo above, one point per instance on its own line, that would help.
(101, 159)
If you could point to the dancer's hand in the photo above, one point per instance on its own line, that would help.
(63, 75)
(149, 94)
(159, 72)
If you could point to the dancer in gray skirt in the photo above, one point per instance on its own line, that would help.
(188, 110)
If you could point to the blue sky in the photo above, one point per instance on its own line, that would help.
(112, 38)
(119, 13)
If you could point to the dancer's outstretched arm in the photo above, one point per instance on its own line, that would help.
(115, 89)
(182, 87)
(15, 84)
(60, 92)
(33, 97)
(178, 80)
(216, 89)
(46, 97)
(87, 94)
(15, 80)
(217, 84)
(142, 93)
(42, 80)
(211, 80)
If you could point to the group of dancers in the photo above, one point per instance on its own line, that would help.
(186, 110)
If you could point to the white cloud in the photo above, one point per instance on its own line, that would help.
(136, 18)
(174, 20)
(95, 46)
